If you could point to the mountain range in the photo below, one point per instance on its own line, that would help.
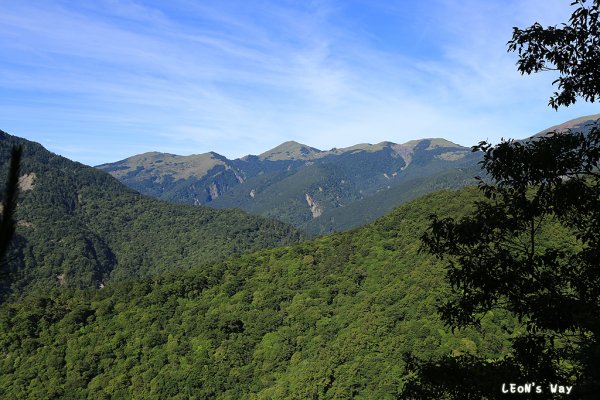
(80, 227)
(301, 185)
(314, 190)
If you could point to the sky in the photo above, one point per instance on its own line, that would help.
(100, 80)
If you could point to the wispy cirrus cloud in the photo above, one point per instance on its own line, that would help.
(118, 77)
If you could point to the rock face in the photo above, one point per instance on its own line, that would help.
(315, 209)
(213, 191)
(239, 178)
(343, 187)
(26, 182)
(289, 175)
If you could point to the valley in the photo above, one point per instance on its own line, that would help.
(317, 191)
(116, 294)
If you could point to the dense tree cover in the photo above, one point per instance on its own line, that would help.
(329, 318)
(505, 256)
(79, 227)
(370, 208)
(282, 195)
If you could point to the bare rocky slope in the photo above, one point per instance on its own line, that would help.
(316, 190)
(293, 182)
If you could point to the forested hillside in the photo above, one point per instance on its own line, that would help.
(119, 282)
(329, 318)
(368, 209)
(80, 227)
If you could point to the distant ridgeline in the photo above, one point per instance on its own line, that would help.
(306, 187)
(79, 227)
(317, 191)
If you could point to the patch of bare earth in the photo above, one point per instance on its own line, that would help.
(26, 182)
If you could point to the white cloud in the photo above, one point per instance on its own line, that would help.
(238, 78)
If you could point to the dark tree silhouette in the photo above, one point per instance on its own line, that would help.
(7, 220)
(9, 204)
(573, 49)
(533, 246)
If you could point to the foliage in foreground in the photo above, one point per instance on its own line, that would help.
(506, 255)
(497, 258)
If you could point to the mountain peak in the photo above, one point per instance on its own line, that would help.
(362, 146)
(290, 150)
(575, 124)
(433, 143)
(154, 164)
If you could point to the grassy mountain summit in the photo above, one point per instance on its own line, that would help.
(300, 184)
(162, 164)
(574, 124)
(290, 150)
(78, 226)
(169, 176)
(320, 191)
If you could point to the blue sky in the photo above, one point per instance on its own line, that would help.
(100, 80)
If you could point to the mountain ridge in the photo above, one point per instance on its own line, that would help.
(300, 182)
(575, 123)
(305, 186)
(78, 226)
(291, 146)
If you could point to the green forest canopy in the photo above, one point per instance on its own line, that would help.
(329, 318)
(80, 227)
